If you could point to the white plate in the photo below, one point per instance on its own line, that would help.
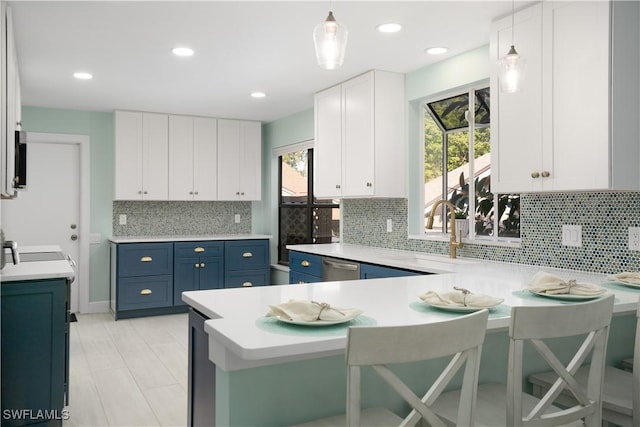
(634, 285)
(317, 322)
(568, 297)
(459, 308)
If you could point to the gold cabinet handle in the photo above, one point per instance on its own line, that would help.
(247, 255)
(146, 259)
(146, 292)
(247, 284)
(305, 263)
(198, 249)
(545, 174)
(535, 175)
(197, 265)
(202, 265)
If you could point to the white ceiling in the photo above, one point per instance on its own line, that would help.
(240, 47)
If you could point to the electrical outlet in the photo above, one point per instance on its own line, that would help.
(123, 220)
(634, 238)
(237, 219)
(572, 235)
(389, 225)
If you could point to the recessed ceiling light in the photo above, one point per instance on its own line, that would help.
(182, 51)
(258, 94)
(389, 28)
(83, 76)
(436, 50)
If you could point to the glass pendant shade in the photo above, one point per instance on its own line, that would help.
(330, 39)
(511, 71)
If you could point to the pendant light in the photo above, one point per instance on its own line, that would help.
(511, 66)
(330, 39)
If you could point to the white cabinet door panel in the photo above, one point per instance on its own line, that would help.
(328, 143)
(205, 160)
(181, 155)
(155, 169)
(128, 155)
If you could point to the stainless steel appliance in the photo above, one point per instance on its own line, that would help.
(339, 269)
(13, 247)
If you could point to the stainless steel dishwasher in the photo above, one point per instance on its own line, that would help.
(339, 269)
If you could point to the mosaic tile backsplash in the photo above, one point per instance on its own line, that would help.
(146, 218)
(605, 219)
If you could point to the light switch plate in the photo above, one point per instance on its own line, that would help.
(95, 238)
(572, 235)
(122, 219)
(237, 218)
(389, 225)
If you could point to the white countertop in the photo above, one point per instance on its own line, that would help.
(185, 238)
(237, 342)
(37, 270)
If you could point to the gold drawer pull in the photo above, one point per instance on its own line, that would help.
(305, 263)
(247, 284)
(199, 249)
(146, 292)
(146, 259)
(197, 265)
(247, 255)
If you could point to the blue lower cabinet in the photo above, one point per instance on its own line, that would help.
(369, 271)
(135, 293)
(296, 278)
(246, 263)
(304, 268)
(34, 352)
(197, 266)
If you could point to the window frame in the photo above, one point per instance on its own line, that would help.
(309, 205)
(443, 235)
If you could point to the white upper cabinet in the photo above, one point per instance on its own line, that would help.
(239, 160)
(10, 104)
(359, 137)
(141, 156)
(192, 158)
(574, 124)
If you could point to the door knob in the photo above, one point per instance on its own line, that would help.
(74, 237)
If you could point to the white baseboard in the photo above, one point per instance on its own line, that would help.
(98, 307)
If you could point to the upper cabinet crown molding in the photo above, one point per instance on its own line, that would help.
(574, 124)
(359, 137)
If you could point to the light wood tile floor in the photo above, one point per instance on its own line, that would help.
(129, 373)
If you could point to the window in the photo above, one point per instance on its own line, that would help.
(457, 167)
(302, 217)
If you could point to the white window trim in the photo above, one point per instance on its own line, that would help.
(445, 237)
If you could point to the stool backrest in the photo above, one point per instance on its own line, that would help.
(536, 324)
(377, 347)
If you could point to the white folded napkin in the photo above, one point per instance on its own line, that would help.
(628, 277)
(458, 299)
(311, 311)
(543, 282)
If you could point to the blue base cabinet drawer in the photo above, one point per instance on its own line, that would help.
(246, 279)
(145, 259)
(305, 263)
(246, 254)
(136, 293)
(198, 249)
(296, 278)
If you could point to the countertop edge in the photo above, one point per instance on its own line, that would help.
(212, 237)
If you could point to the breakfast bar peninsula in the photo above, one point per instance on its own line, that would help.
(246, 369)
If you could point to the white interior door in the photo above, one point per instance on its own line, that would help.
(48, 211)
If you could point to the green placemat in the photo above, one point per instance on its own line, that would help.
(620, 287)
(501, 310)
(524, 294)
(271, 324)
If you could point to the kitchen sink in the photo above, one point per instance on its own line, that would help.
(426, 259)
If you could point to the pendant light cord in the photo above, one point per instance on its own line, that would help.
(512, 19)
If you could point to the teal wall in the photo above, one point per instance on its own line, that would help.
(99, 127)
(289, 130)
